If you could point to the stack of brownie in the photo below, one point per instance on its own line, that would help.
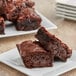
(21, 13)
(44, 51)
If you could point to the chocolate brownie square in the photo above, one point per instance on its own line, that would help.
(2, 25)
(28, 20)
(33, 55)
(53, 44)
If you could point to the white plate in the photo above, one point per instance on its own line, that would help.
(65, 16)
(11, 31)
(67, 2)
(66, 8)
(13, 59)
(66, 13)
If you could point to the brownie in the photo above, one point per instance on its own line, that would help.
(29, 3)
(33, 55)
(52, 44)
(9, 9)
(21, 13)
(2, 25)
(5, 7)
(28, 20)
(2, 5)
(17, 7)
(25, 3)
(13, 14)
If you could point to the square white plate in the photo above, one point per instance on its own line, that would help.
(11, 31)
(67, 2)
(60, 7)
(65, 16)
(66, 13)
(69, 14)
(66, 7)
(13, 59)
(65, 10)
